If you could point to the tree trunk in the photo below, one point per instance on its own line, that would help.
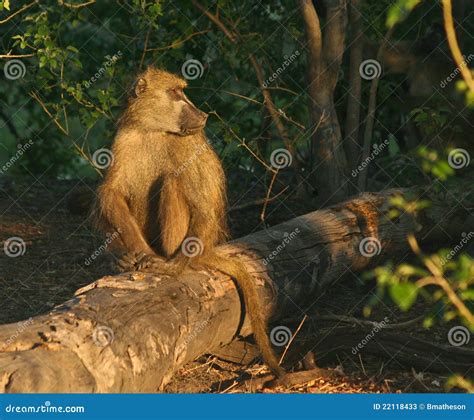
(325, 51)
(351, 142)
(131, 332)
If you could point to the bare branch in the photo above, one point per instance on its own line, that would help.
(8, 56)
(454, 46)
(75, 6)
(369, 122)
(234, 37)
(333, 41)
(177, 43)
(25, 7)
(313, 34)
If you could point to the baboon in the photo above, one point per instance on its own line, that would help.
(167, 184)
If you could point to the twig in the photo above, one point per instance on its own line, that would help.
(25, 7)
(16, 55)
(289, 119)
(283, 89)
(177, 43)
(368, 323)
(75, 6)
(452, 296)
(238, 95)
(234, 384)
(438, 280)
(242, 142)
(362, 364)
(216, 20)
(292, 338)
(257, 202)
(35, 96)
(262, 214)
(147, 37)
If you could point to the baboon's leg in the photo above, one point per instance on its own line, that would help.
(116, 213)
(205, 227)
(174, 216)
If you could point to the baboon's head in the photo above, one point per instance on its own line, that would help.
(158, 103)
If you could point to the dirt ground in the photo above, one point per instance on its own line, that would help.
(58, 241)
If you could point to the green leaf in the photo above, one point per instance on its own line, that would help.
(399, 11)
(404, 294)
(428, 322)
(467, 294)
(72, 49)
(393, 148)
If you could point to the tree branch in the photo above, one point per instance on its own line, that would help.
(333, 41)
(454, 46)
(25, 7)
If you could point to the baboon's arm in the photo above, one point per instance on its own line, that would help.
(116, 213)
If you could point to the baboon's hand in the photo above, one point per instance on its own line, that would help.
(129, 261)
(152, 264)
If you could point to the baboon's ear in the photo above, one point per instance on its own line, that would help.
(140, 86)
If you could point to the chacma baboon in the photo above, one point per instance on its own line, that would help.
(166, 184)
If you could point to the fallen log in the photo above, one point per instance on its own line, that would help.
(131, 332)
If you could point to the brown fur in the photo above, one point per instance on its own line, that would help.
(167, 184)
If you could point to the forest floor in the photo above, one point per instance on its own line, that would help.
(48, 217)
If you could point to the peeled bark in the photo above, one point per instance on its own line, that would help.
(131, 332)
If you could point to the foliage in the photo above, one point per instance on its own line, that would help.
(70, 66)
(400, 10)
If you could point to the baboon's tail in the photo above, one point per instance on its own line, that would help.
(253, 307)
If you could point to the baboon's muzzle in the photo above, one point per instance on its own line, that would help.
(192, 119)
